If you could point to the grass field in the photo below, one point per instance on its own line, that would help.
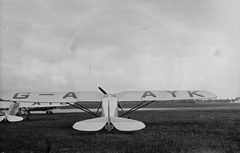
(216, 130)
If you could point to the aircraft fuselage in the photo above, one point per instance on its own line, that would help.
(109, 109)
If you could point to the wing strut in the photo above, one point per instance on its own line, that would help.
(83, 109)
(120, 106)
(137, 107)
(98, 107)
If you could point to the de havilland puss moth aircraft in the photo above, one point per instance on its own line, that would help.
(25, 109)
(109, 104)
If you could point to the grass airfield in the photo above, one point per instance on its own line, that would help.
(195, 129)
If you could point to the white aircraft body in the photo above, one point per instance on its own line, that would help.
(26, 108)
(35, 105)
(110, 104)
(10, 115)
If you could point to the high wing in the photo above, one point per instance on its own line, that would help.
(159, 95)
(56, 97)
(93, 96)
(147, 97)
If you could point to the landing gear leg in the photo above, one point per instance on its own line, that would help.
(26, 114)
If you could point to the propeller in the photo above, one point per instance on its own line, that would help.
(104, 92)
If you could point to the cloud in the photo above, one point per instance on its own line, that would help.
(217, 53)
(129, 45)
(58, 79)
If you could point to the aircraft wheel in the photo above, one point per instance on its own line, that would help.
(49, 112)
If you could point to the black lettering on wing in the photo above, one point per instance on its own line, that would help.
(70, 94)
(191, 93)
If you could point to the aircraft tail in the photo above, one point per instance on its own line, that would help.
(13, 109)
(10, 114)
(96, 124)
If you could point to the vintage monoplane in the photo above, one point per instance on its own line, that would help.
(109, 104)
(25, 109)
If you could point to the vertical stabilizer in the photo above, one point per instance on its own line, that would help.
(109, 125)
(13, 109)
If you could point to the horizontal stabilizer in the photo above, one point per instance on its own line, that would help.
(95, 124)
(2, 118)
(12, 118)
(124, 124)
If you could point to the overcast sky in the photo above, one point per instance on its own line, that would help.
(77, 45)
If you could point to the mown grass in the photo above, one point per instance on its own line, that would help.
(166, 131)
